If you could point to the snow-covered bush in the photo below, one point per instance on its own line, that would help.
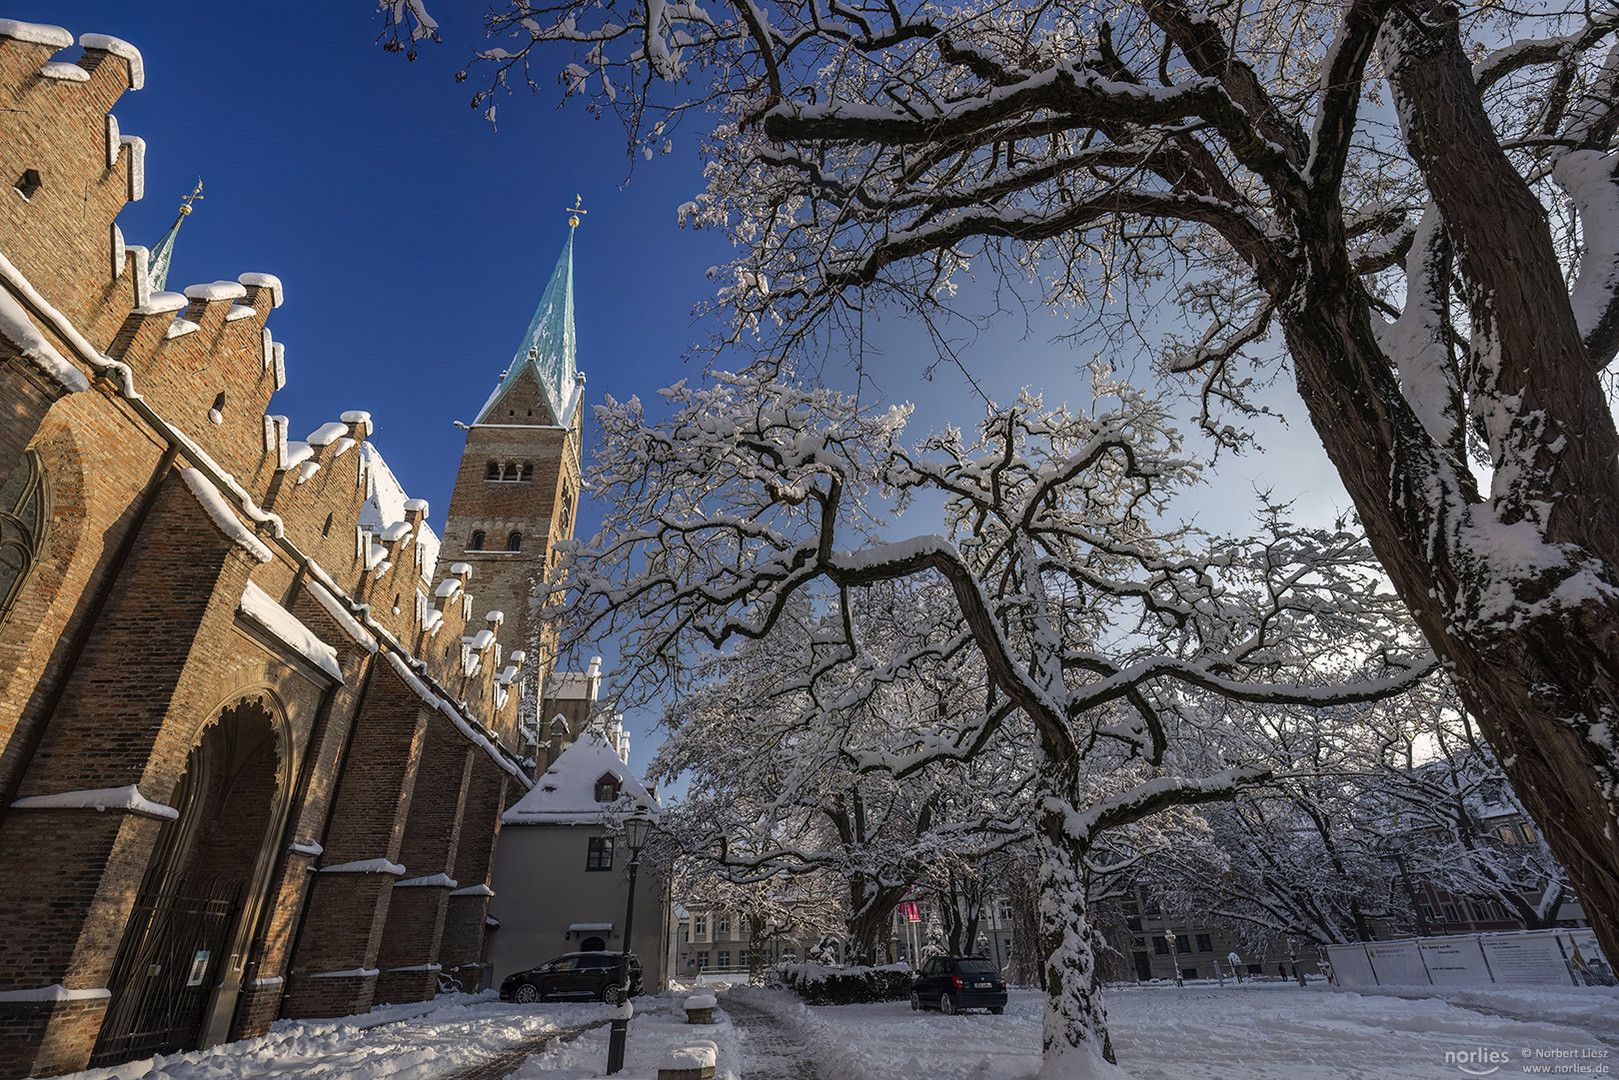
(819, 984)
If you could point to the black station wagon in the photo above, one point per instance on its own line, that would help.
(580, 976)
(953, 983)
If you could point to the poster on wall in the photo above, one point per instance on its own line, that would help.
(1530, 960)
(1455, 961)
(1397, 963)
(1350, 967)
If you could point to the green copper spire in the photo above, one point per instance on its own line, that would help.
(548, 346)
(163, 253)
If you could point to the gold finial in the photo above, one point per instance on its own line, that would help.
(185, 203)
(575, 210)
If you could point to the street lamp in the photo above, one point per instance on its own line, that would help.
(637, 827)
(1174, 958)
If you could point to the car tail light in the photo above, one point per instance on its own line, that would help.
(958, 982)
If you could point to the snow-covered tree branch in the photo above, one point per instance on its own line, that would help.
(1441, 276)
(1050, 652)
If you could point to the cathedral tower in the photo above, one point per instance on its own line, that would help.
(518, 486)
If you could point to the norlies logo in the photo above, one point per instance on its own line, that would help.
(1480, 1062)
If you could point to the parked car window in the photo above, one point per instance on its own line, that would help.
(975, 967)
(565, 963)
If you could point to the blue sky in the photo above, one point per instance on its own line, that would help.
(414, 241)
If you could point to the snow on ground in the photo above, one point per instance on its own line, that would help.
(1277, 1032)
(659, 1023)
(424, 1041)
(1269, 1032)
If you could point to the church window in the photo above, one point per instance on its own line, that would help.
(22, 527)
(514, 542)
(326, 529)
(527, 473)
(28, 183)
(566, 512)
(493, 472)
(606, 787)
(476, 543)
(600, 854)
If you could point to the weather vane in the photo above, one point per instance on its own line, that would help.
(573, 211)
(185, 203)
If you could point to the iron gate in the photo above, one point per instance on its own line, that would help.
(167, 966)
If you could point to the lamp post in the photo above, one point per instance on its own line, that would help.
(637, 827)
(1174, 957)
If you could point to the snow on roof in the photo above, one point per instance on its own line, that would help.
(213, 503)
(36, 33)
(216, 290)
(259, 606)
(386, 501)
(575, 685)
(122, 48)
(566, 792)
(17, 328)
(265, 281)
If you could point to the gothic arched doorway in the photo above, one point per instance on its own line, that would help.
(197, 903)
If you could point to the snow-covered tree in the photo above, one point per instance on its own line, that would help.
(759, 506)
(1362, 799)
(769, 792)
(1415, 201)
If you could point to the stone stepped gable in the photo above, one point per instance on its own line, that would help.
(254, 741)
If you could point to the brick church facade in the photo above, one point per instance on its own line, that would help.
(257, 725)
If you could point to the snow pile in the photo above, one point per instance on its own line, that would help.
(422, 1041)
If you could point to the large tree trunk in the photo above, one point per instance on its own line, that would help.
(1542, 675)
(1074, 1037)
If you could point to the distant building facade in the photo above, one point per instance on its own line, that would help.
(258, 726)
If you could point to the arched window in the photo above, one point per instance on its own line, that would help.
(493, 471)
(476, 543)
(22, 527)
(527, 473)
(514, 542)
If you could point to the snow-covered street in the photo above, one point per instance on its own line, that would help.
(1263, 1033)
(1271, 1032)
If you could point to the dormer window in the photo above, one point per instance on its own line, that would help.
(607, 788)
